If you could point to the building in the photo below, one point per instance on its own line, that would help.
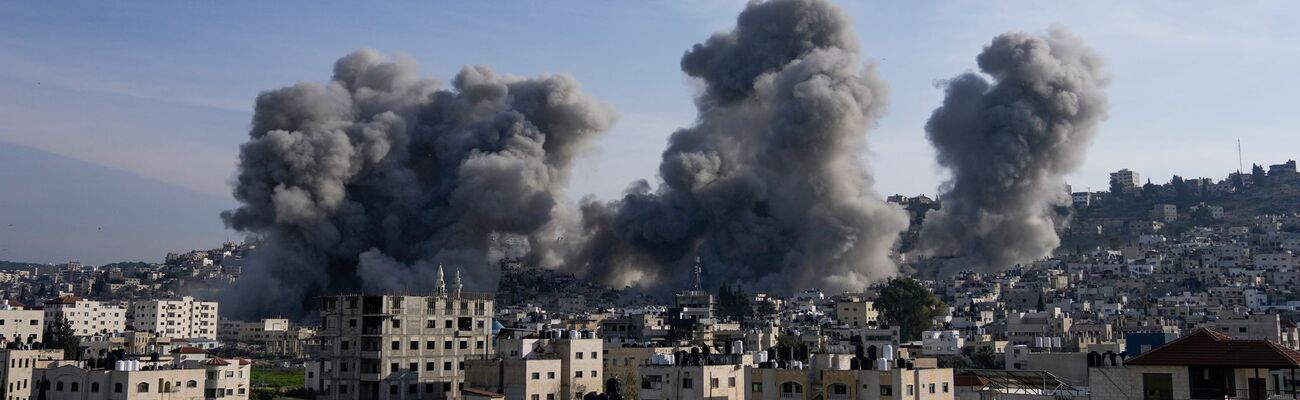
(197, 380)
(855, 312)
(16, 368)
(390, 347)
(1081, 199)
(268, 335)
(20, 325)
(689, 381)
(1125, 179)
(87, 317)
(1201, 365)
(832, 376)
(1165, 212)
(552, 364)
(942, 343)
(183, 318)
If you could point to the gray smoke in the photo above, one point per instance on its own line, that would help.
(1008, 144)
(766, 187)
(369, 181)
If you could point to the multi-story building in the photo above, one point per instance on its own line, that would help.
(550, 364)
(183, 318)
(20, 325)
(16, 368)
(270, 335)
(87, 317)
(1126, 179)
(855, 312)
(390, 347)
(942, 343)
(203, 380)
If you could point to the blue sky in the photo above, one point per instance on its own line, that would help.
(163, 91)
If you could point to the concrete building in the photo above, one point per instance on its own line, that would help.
(574, 358)
(207, 380)
(183, 318)
(270, 335)
(1202, 365)
(20, 325)
(1126, 179)
(855, 312)
(920, 381)
(402, 347)
(87, 317)
(16, 369)
(942, 343)
(691, 382)
(1165, 212)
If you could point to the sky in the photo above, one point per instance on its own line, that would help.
(156, 97)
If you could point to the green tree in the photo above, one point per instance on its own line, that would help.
(906, 303)
(766, 308)
(58, 334)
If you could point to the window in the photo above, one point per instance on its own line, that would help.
(142, 388)
(537, 397)
(909, 390)
(117, 387)
(840, 389)
(945, 387)
(58, 386)
(94, 387)
(595, 356)
(578, 374)
(886, 390)
(464, 344)
(594, 374)
(537, 375)
(413, 367)
(446, 345)
(756, 388)
(412, 388)
(397, 323)
(397, 345)
(931, 388)
(430, 366)
(731, 382)
(579, 355)
(446, 366)
(550, 396)
(550, 375)
(790, 388)
(191, 384)
(352, 323)
(430, 345)
(76, 386)
(713, 383)
(415, 345)
(687, 383)
(392, 389)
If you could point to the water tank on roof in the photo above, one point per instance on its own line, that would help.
(882, 364)
(738, 347)
(119, 365)
(889, 352)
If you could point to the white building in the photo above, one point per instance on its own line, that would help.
(184, 318)
(942, 343)
(18, 324)
(1126, 179)
(87, 317)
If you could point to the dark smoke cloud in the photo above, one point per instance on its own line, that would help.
(1008, 143)
(766, 187)
(368, 181)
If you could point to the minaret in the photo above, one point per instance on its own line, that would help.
(458, 285)
(441, 289)
(695, 280)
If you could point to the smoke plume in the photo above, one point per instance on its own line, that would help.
(766, 187)
(1008, 144)
(369, 181)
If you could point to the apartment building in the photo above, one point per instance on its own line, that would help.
(271, 335)
(183, 318)
(87, 317)
(20, 325)
(855, 312)
(573, 358)
(16, 367)
(402, 347)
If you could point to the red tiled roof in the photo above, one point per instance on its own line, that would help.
(1205, 347)
(64, 300)
(216, 361)
(189, 350)
(244, 361)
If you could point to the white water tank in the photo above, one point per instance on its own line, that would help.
(573, 334)
(135, 365)
(760, 357)
(1056, 342)
(737, 347)
(120, 365)
(882, 364)
(889, 352)
(1038, 342)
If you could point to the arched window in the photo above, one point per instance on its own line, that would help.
(142, 388)
(117, 387)
(94, 387)
(76, 386)
(191, 384)
(58, 386)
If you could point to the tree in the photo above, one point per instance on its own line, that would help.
(1182, 193)
(766, 308)
(906, 303)
(1257, 174)
(58, 334)
(734, 303)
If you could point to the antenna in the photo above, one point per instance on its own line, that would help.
(1240, 165)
